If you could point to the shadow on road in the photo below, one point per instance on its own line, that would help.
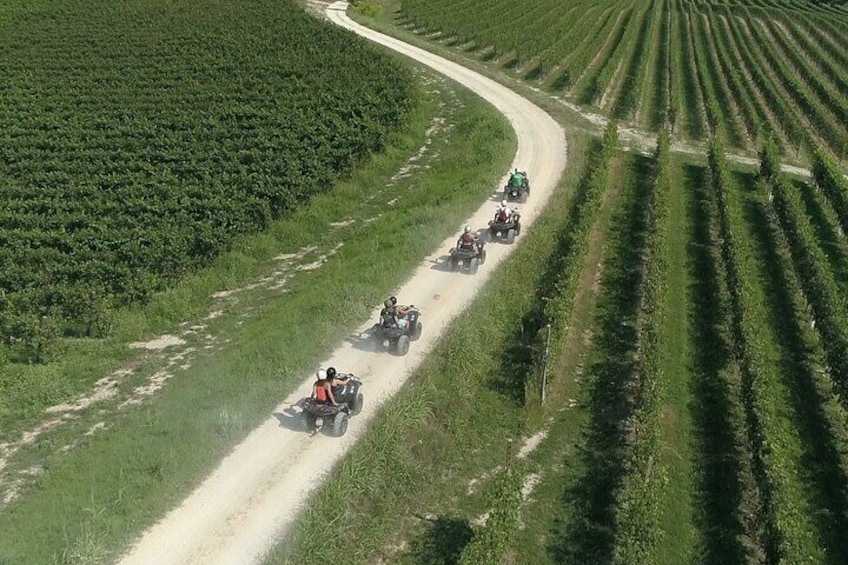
(441, 264)
(363, 341)
(289, 418)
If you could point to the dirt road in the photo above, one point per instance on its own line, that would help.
(238, 512)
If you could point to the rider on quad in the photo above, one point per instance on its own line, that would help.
(503, 213)
(335, 378)
(392, 315)
(467, 240)
(322, 388)
(517, 179)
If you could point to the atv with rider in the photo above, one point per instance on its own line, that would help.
(468, 257)
(349, 400)
(505, 229)
(517, 187)
(396, 331)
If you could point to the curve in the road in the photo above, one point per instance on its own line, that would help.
(244, 506)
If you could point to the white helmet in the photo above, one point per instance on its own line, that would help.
(503, 203)
(321, 374)
(467, 229)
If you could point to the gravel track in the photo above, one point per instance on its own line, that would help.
(239, 511)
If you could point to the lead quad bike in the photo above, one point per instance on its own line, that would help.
(397, 338)
(468, 258)
(315, 416)
(505, 231)
(515, 191)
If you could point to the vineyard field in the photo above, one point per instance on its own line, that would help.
(696, 405)
(139, 139)
(752, 69)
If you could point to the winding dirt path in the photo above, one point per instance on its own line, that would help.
(240, 510)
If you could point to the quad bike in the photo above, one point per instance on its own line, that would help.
(520, 192)
(398, 337)
(468, 259)
(349, 399)
(505, 230)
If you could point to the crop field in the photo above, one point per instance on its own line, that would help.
(139, 139)
(768, 67)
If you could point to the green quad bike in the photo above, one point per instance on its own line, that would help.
(517, 187)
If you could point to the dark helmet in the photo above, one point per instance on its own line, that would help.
(394, 300)
(331, 372)
(388, 304)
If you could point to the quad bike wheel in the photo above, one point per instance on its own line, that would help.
(403, 345)
(416, 331)
(340, 424)
(454, 263)
(473, 265)
(523, 197)
(356, 405)
(306, 421)
(510, 236)
(482, 256)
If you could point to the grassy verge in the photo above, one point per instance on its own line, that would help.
(90, 501)
(413, 487)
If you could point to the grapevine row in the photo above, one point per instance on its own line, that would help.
(833, 183)
(662, 95)
(789, 534)
(692, 95)
(828, 304)
(637, 498)
(590, 85)
(635, 69)
(719, 104)
(583, 215)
